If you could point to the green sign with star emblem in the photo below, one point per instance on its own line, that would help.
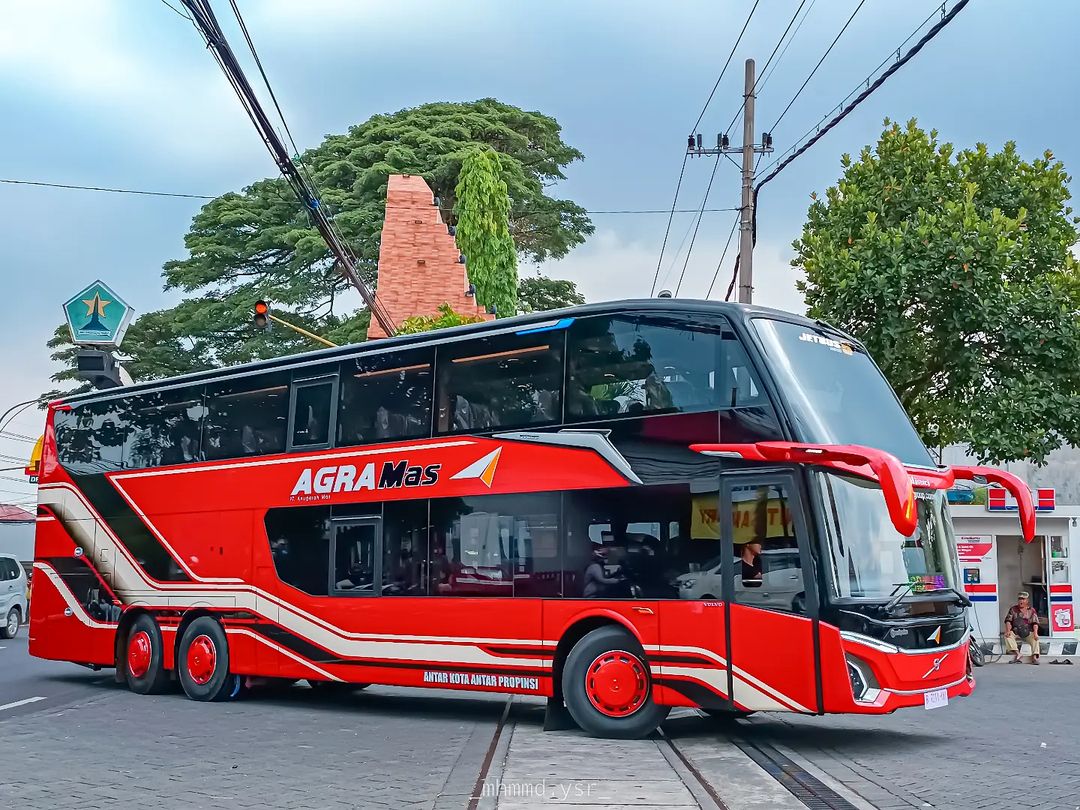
(97, 316)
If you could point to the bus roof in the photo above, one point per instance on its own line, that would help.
(738, 312)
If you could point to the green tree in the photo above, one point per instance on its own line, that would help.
(955, 269)
(483, 210)
(540, 293)
(259, 243)
(446, 318)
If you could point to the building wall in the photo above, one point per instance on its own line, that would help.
(18, 539)
(1061, 471)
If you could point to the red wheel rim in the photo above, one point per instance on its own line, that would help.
(201, 659)
(616, 683)
(139, 654)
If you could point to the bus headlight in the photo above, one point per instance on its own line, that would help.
(864, 685)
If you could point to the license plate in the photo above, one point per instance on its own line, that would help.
(936, 699)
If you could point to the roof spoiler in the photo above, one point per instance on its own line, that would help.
(897, 481)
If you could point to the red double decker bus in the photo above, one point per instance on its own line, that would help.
(623, 507)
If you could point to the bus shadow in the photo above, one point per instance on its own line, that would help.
(775, 731)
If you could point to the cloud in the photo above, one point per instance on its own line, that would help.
(611, 266)
(142, 77)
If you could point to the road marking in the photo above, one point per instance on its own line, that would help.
(18, 703)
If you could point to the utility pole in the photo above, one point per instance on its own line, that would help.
(746, 223)
(748, 150)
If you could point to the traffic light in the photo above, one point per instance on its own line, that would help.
(262, 315)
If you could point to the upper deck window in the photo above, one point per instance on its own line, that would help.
(385, 397)
(90, 438)
(504, 381)
(625, 366)
(247, 417)
(835, 393)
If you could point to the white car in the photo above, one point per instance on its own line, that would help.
(781, 581)
(13, 607)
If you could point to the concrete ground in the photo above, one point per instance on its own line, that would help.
(70, 737)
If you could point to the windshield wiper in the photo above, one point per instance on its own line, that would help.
(905, 589)
(961, 597)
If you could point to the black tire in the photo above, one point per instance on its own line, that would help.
(10, 628)
(204, 672)
(142, 657)
(726, 715)
(611, 647)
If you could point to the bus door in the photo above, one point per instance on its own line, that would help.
(770, 593)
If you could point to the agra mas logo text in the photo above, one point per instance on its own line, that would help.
(318, 484)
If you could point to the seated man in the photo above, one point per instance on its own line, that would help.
(1022, 624)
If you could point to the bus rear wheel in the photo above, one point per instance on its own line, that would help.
(607, 687)
(203, 662)
(142, 657)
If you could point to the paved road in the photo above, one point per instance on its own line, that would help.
(1014, 743)
(89, 743)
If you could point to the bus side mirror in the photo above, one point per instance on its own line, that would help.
(1017, 488)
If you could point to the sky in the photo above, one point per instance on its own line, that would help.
(122, 93)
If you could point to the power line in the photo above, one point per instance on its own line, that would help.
(918, 46)
(767, 63)
(15, 437)
(667, 230)
(723, 255)
(865, 82)
(109, 190)
(723, 70)
(526, 212)
(766, 76)
(828, 50)
(870, 88)
(693, 238)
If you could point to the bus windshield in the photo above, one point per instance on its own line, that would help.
(835, 392)
(869, 558)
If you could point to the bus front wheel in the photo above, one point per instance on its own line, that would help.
(142, 657)
(607, 686)
(203, 662)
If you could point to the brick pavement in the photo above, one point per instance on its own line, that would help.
(984, 751)
(386, 748)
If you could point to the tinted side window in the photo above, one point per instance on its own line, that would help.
(166, 428)
(746, 413)
(651, 544)
(312, 413)
(619, 366)
(497, 545)
(300, 545)
(405, 548)
(768, 568)
(90, 438)
(7, 569)
(385, 397)
(504, 381)
(246, 417)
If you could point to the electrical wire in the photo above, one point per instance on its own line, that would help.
(723, 255)
(865, 82)
(109, 190)
(871, 87)
(929, 35)
(828, 50)
(526, 212)
(766, 76)
(667, 230)
(723, 70)
(779, 42)
(693, 238)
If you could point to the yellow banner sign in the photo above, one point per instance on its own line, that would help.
(33, 466)
(750, 520)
